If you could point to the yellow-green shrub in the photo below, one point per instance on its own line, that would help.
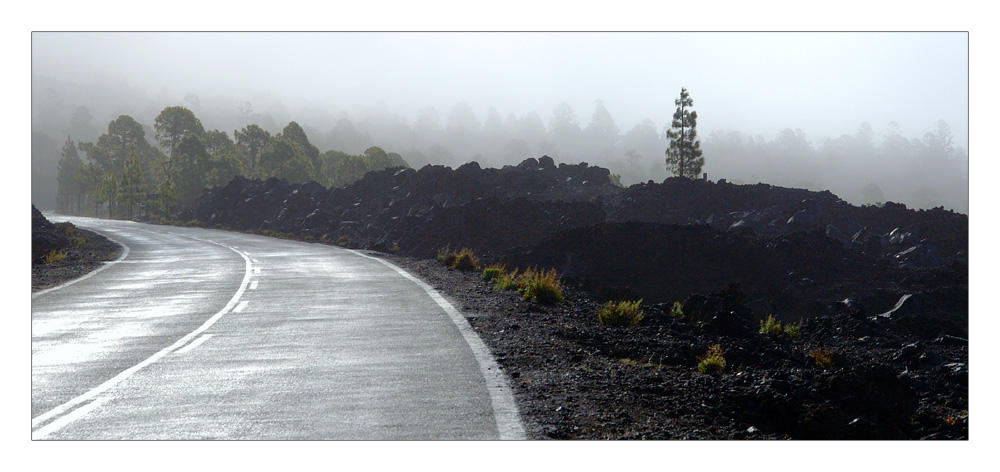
(446, 256)
(506, 281)
(620, 314)
(677, 311)
(55, 256)
(793, 329)
(465, 259)
(713, 360)
(770, 326)
(822, 358)
(493, 272)
(540, 286)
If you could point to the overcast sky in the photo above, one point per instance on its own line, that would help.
(823, 83)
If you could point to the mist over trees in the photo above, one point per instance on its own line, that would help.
(862, 168)
(183, 146)
(123, 175)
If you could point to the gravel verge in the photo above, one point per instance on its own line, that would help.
(92, 254)
(575, 379)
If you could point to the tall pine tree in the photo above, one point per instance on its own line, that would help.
(684, 154)
(69, 185)
(132, 189)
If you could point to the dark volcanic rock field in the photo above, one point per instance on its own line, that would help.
(81, 255)
(882, 291)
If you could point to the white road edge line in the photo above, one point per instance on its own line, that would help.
(240, 307)
(120, 258)
(196, 343)
(69, 418)
(504, 408)
(76, 402)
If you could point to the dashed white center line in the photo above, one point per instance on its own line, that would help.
(69, 418)
(196, 343)
(256, 271)
(253, 285)
(68, 412)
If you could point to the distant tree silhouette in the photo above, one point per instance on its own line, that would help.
(69, 183)
(684, 154)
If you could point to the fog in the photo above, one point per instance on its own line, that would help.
(872, 117)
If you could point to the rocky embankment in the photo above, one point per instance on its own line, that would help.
(61, 252)
(881, 293)
(418, 211)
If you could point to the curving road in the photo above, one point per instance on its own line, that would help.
(205, 334)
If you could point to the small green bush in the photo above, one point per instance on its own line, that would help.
(540, 286)
(506, 281)
(822, 358)
(68, 228)
(793, 329)
(78, 241)
(493, 272)
(620, 314)
(770, 326)
(446, 256)
(465, 259)
(55, 256)
(713, 360)
(677, 311)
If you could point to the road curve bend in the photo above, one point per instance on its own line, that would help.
(206, 334)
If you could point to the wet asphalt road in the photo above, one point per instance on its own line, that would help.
(205, 334)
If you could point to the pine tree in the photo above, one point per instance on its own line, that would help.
(167, 196)
(69, 187)
(133, 189)
(108, 192)
(684, 154)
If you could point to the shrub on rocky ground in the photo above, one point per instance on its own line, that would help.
(793, 329)
(493, 272)
(540, 286)
(55, 256)
(713, 361)
(620, 314)
(506, 281)
(770, 326)
(446, 256)
(822, 358)
(677, 310)
(466, 260)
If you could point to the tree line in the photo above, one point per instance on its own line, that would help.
(921, 172)
(862, 168)
(126, 175)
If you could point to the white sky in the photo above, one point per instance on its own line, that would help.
(759, 83)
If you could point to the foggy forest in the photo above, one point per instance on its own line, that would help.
(862, 167)
(82, 117)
